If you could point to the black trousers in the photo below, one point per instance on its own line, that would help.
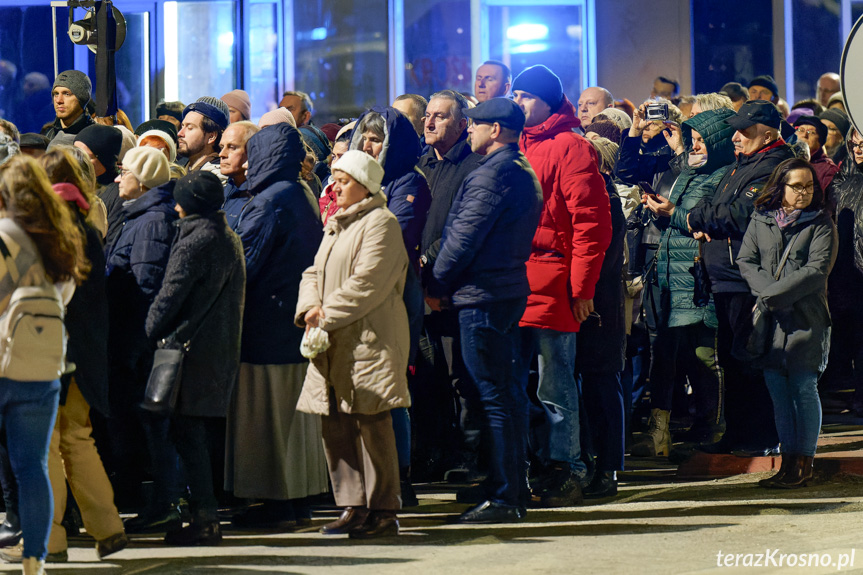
(749, 418)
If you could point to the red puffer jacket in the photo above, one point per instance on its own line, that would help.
(575, 226)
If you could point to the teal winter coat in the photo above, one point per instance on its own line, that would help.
(678, 248)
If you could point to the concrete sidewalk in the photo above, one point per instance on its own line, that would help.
(657, 524)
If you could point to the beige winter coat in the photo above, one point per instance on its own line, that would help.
(358, 278)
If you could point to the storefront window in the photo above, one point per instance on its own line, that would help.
(263, 58)
(341, 56)
(200, 49)
(437, 47)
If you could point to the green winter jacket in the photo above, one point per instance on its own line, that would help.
(678, 249)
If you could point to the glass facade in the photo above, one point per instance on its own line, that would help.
(341, 55)
(526, 35)
(263, 58)
(437, 47)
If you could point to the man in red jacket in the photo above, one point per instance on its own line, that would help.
(568, 248)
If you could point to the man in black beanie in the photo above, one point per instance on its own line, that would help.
(70, 93)
(764, 88)
(573, 233)
(102, 143)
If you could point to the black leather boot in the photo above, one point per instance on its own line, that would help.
(409, 496)
(770, 482)
(798, 475)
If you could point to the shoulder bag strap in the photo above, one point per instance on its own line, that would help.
(784, 258)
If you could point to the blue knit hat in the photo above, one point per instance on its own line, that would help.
(212, 108)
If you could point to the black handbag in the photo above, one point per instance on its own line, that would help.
(759, 341)
(701, 293)
(163, 385)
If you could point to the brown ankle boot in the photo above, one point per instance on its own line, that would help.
(770, 482)
(657, 440)
(798, 474)
(379, 524)
(351, 518)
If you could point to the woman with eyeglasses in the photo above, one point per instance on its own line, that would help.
(788, 251)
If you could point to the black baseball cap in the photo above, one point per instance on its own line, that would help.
(756, 112)
(501, 110)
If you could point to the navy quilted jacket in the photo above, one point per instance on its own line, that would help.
(488, 234)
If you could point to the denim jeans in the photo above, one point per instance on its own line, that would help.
(797, 409)
(489, 345)
(28, 410)
(559, 393)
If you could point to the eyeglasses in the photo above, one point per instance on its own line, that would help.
(802, 190)
(597, 316)
(801, 130)
(857, 146)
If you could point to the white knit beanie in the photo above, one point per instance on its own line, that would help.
(363, 168)
(127, 143)
(165, 137)
(148, 165)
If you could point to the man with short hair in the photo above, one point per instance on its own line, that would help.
(300, 105)
(813, 131)
(665, 88)
(200, 134)
(721, 219)
(493, 80)
(414, 107)
(568, 249)
(764, 88)
(70, 93)
(481, 270)
(828, 84)
(591, 102)
(232, 164)
(738, 93)
(446, 164)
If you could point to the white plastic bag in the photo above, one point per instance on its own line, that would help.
(314, 342)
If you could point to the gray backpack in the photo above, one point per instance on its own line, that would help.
(32, 332)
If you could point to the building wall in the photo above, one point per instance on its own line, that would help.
(636, 41)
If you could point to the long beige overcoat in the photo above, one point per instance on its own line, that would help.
(358, 278)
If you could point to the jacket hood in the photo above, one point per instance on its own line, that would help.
(275, 154)
(564, 120)
(343, 218)
(401, 147)
(164, 194)
(717, 135)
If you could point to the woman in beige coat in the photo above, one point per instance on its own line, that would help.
(353, 292)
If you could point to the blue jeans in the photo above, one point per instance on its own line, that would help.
(796, 408)
(559, 393)
(28, 410)
(489, 346)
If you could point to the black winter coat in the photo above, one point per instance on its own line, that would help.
(601, 343)
(848, 194)
(202, 297)
(444, 178)
(87, 327)
(724, 215)
(134, 271)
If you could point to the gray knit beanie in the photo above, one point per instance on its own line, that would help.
(77, 82)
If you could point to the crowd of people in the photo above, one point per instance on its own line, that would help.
(495, 288)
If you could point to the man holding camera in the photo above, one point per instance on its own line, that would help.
(568, 248)
(722, 220)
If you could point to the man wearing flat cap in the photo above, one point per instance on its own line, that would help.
(200, 135)
(813, 131)
(721, 220)
(569, 246)
(70, 94)
(481, 269)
